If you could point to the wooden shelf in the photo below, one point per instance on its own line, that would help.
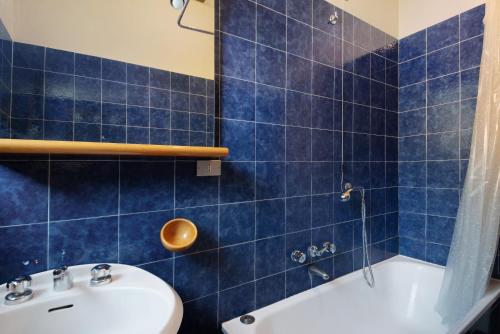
(15, 146)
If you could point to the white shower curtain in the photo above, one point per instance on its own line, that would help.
(476, 234)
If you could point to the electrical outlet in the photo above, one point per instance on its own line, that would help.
(208, 168)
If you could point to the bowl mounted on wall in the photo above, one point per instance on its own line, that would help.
(178, 234)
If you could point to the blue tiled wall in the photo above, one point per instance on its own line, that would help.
(438, 79)
(289, 101)
(5, 81)
(60, 95)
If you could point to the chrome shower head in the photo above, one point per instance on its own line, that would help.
(346, 195)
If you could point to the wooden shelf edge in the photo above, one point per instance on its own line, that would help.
(24, 146)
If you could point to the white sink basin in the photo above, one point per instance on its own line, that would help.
(134, 302)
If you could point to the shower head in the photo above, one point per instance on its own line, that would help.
(346, 195)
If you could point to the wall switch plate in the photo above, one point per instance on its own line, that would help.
(208, 168)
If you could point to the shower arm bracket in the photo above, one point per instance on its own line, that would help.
(181, 25)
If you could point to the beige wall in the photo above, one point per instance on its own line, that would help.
(136, 31)
(415, 15)
(7, 17)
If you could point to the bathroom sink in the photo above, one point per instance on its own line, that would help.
(134, 302)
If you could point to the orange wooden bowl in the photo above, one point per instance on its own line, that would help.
(178, 234)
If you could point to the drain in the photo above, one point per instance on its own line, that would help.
(60, 308)
(247, 319)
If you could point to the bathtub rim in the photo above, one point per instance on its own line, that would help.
(234, 326)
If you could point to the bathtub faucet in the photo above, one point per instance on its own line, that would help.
(315, 271)
(328, 247)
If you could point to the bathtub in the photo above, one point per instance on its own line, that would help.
(402, 302)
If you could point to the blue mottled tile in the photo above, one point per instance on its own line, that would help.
(236, 223)
(59, 85)
(412, 174)
(270, 290)
(470, 52)
(114, 70)
(269, 104)
(412, 225)
(443, 117)
(237, 99)
(200, 313)
(443, 34)
(298, 143)
(237, 265)
(237, 17)
(442, 146)
(298, 74)
(269, 257)
(269, 180)
(271, 66)
(297, 281)
(235, 301)
(437, 254)
(412, 97)
(54, 130)
(87, 66)
(162, 269)
(237, 182)
(412, 200)
(270, 218)
(191, 190)
(298, 214)
(471, 22)
(440, 229)
(469, 82)
(31, 106)
(443, 62)
(238, 58)
(298, 178)
(196, 275)
(322, 83)
(299, 39)
(412, 248)
(343, 264)
(59, 61)
(413, 46)
(87, 111)
(298, 109)
(240, 136)
(29, 56)
(443, 90)
(442, 202)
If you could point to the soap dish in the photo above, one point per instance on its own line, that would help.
(178, 234)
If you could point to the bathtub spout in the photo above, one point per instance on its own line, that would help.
(315, 271)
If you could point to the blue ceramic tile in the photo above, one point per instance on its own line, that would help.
(160, 79)
(467, 112)
(321, 177)
(362, 144)
(298, 109)
(377, 92)
(471, 22)
(160, 98)
(322, 83)
(54, 130)
(137, 95)
(270, 180)
(377, 228)
(236, 223)
(361, 62)
(28, 56)
(87, 66)
(33, 251)
(237, 264)
(322, 210)
(146, 186)
(392, 98)
(412, 174)
(234, 302)
(24, 194)
(271, 28)
(413, 46)
(298, 144)
(162, 269)
(347, 87)
(270, 218)
(392, 73)
(278, 5)
(442, 62)
(114, 92)
(237, 17)
(412, 122)
(442, 34)
(299, 39)
(30, 106)
(160, 137)
(179, 82)
(437, 254)
(322, 113)
(206, 220)
(298, 178)
(444, 89)
(55, 108)
(200, 313)
(465, 143)
(189, 186)
(469, 83)
(271, 66)
(180, 101)
(59, 85)
(270, 290)
(442, 146)
(59, 61)
(240, 136)
(300, 10)
(237, 99)
(412, 200)
(377, 152)
(237, 183)
(362, 33)
(298, 74)
(198, 122)
(87, 111)
(87, 132)
(391, 225)
(377, 199)
(377, 118)
(361, 119)
(114, 114)
(412, 248)
(412, 225)
(269, 104)
(361, 90)
(322, 145)
(138, 237)
(470, 52)
(114, 70)
(83, 241)
(298, 214)
(412, 97)
(297, 280)
(323, 48)
(442, 202)
(26, 129)
(25, 81)
(377, 68)
(114, 134)
(443, 117)
(269, 257)
(137, 75)
(238, 58)
(196, 275)
(137, 116)
(343, 264)
(197, 86)
(348, 57)
(343, 235)
(97, 193)
(440, 229)
(197, 103)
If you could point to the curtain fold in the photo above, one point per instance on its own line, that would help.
(476, 235)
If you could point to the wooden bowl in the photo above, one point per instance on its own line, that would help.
(178, 234)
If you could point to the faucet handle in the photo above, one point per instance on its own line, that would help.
(298, 256)
(19, 285)
(101, 274)
(62, 279)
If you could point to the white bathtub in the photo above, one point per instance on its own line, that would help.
(402, 302)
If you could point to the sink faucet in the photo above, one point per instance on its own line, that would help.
(63, 280)
(19, 290)
(315, 271)
(101, 275)
(328, 247)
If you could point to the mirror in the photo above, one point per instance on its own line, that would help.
(107, 71)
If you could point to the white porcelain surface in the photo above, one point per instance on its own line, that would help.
(402, 302)
(134, 302)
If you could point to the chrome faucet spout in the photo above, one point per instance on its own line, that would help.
(315, 271)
